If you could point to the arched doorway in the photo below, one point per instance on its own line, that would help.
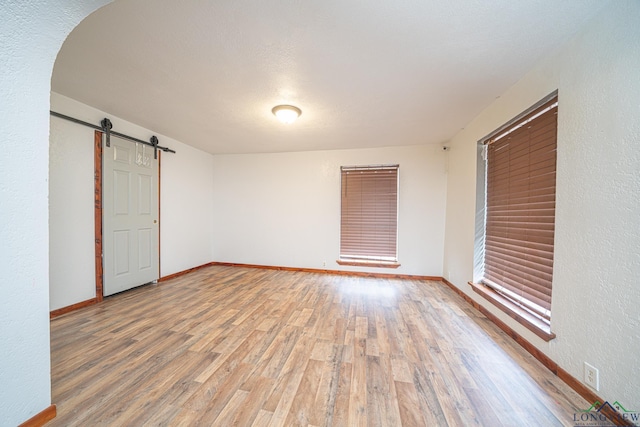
(32, 34)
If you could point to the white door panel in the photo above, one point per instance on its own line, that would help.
(145, 249)
(145, 191)
(121, 243)
(130, 214)
(121, 192)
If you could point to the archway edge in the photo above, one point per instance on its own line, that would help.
(31, 36)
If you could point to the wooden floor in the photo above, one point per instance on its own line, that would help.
(238, 346)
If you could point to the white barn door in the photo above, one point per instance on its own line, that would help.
(130, 215)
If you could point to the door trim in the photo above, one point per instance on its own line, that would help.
(159, 213)
(97, 167)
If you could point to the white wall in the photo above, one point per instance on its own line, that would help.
(185, 191)
(284, 209)
(596, 297)
(71, 213)
(186, 209)
(30, 37)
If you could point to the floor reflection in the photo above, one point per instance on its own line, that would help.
(369, 287)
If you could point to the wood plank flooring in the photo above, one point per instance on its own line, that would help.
(233, 346)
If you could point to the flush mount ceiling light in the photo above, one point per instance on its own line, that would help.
(286, 113)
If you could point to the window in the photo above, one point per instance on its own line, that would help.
(369, 216)
(519, 222)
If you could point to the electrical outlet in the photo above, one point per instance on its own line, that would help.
(324, 263)
(591, 376)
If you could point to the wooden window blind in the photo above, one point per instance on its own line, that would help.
(369, 213)
(520, 210)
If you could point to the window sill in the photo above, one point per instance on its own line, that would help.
(364, 263)
(530, 322)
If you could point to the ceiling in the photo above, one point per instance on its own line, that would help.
(365, 73)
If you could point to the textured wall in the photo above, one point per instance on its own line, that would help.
(186, 208)
(71, 213)
(597, 252)
(284, 209)
(30, 36)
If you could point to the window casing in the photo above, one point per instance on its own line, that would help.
(369, 215)
(519, 207)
